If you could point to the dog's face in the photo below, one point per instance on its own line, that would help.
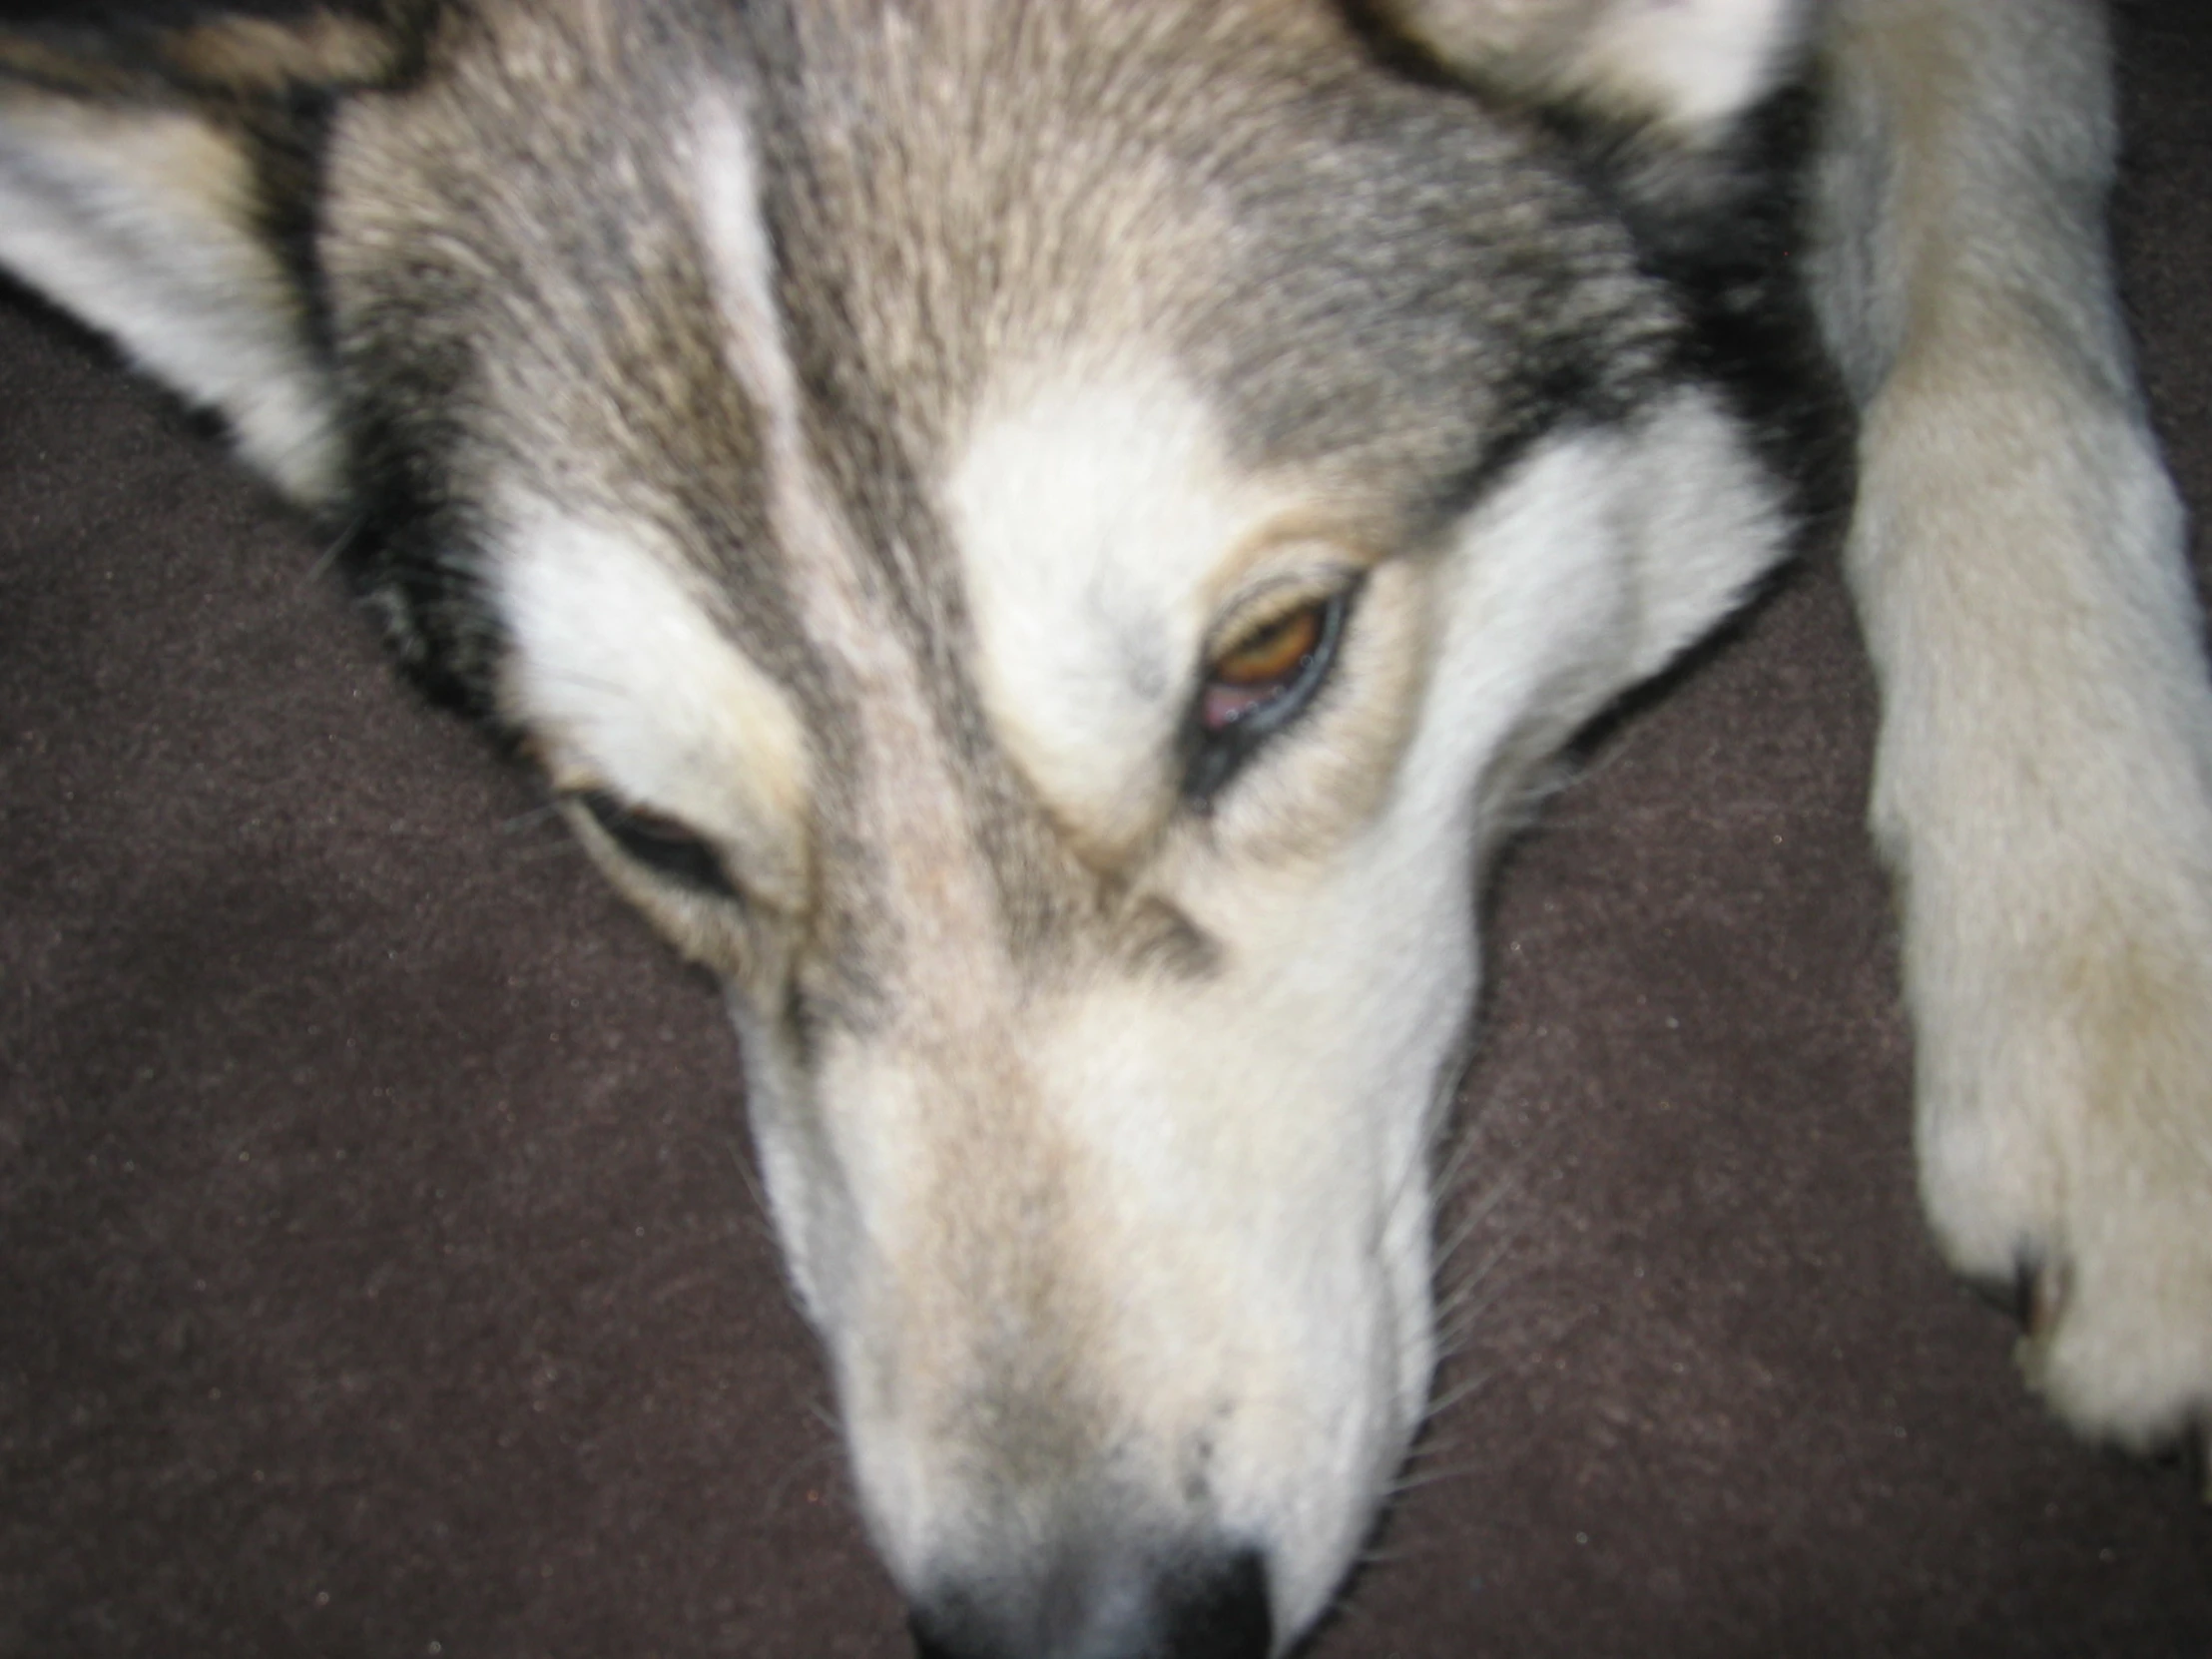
(1042, 544)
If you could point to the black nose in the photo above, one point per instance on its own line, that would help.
(1194, 1607)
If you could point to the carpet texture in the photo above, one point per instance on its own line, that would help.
(382, 1273)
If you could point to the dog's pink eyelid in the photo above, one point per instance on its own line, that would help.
(1303, 639)
(1224, 705)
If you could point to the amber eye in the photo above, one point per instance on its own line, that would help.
(1264, 665)
(660, 843)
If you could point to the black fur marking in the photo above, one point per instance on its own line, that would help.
(284, 144)
(1719, 224)
(412, 561)
(411, 554)
(1723, 230)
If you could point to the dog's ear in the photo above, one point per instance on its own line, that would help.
(158, 167)
(1686, 67)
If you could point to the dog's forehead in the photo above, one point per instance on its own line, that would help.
(1359, 268)
(1077, 297)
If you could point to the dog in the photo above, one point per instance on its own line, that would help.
(1048, 544)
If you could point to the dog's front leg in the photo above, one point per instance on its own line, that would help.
(2043, 786)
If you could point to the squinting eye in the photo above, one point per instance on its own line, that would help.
(1264, 679)
(660, 843)
(1265, 665)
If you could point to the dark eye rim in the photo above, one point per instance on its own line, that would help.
(661, 843)
(1212, 756)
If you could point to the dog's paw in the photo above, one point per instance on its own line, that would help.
(2066, 1151)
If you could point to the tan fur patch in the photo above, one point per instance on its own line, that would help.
(250, 54)
(235, 56)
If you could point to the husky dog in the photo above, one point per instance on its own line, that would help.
(1047, 540)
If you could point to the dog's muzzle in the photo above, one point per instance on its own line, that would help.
(1201, 1605)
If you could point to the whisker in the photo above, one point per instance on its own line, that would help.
(1458, 1324)
(531, 818)
(1464, 1389)
(319, 566)
(1415, 1481)
(1473, 1222)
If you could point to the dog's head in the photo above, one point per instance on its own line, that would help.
(1043, 541)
